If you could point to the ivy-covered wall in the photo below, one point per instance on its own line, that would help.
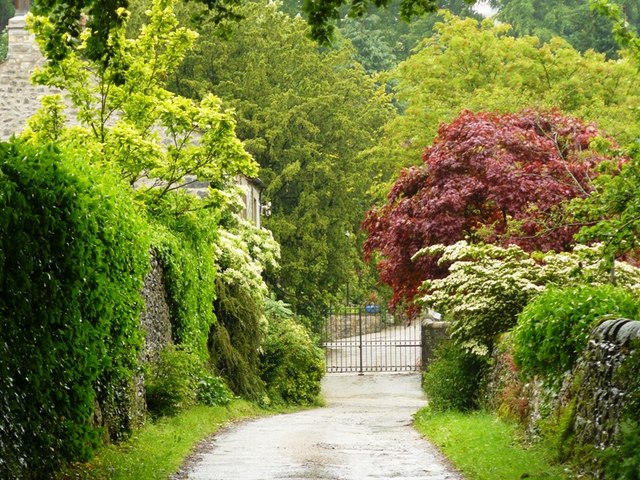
(73, 255)
(591, 411)
(155, 319)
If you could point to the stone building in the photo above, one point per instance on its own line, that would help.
(19, 98)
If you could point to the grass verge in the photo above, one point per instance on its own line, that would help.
(159, 448)
(484, 447)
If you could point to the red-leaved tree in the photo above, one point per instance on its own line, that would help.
(499, 178)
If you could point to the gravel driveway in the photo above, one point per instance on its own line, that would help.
(364, 432)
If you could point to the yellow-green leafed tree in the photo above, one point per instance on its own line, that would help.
(480, 66)
(124, 115)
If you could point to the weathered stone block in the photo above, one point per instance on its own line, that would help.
(433, 334)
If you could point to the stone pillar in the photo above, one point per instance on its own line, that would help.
(433, 334)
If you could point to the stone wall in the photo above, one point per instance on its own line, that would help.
(19, 98)
(601, 395)
(155, 320)
(130, 411)
(592, 396)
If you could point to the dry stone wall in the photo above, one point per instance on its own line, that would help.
(601, 396)
(155, 320)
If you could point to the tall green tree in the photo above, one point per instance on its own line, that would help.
(305, 115)
(572, 20)
(479, 66)
(70, 17)
(381, 41)
(614, 209)
(129, 120)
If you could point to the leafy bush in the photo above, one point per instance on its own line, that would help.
(488, 286)
(553, 330)
(292, 365)
(623, 462)
(452, 380)
(177, 379)
(236, 338)
(172, 381)
(73, 255)
(183, 245)
(213, 391)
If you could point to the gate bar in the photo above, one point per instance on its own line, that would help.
(360, 328)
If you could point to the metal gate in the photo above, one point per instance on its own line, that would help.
(368, 339)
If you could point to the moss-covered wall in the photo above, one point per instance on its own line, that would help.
(600, 392)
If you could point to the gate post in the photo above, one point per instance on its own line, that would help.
(433, 334)
(360, 337)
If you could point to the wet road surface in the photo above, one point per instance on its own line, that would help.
(364, 432)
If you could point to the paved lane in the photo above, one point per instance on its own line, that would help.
(364, 433)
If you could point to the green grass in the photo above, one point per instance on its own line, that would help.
(158, 449)
(484, 447)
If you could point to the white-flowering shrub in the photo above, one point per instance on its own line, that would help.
(488, 286)
(244, 252)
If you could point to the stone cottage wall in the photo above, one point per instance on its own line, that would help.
(19, 98)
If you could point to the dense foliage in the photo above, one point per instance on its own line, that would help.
(4, 44)
(496, 178)
(623, 461)
(69, 17)
(479, 66)
(614, 211)
(572, 20)
(306, 116)
(553, 330)
(73, 254)
(159, 141)
(177, 379)
(183, 248)
(292, 365)
(78, 268)
(488, 286)
(452, 379)
(244, 254)
(381, 41)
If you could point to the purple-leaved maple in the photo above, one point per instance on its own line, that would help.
(499, 178)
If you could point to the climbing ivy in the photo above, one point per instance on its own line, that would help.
(183, 245)
(73, 255)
